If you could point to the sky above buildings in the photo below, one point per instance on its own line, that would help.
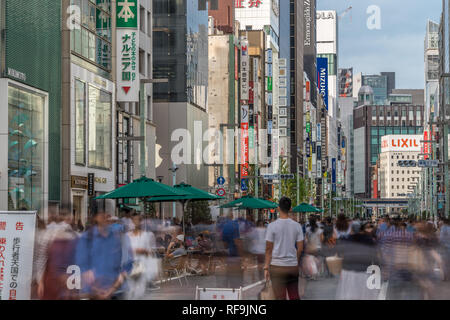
(397, 46)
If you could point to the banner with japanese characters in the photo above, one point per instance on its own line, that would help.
(127, 22)
(17, 230)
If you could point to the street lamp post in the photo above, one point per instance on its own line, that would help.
(174, 182)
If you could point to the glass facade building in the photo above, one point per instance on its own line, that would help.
(180, 44)
(26, 150)
(30, 102)
(91, 36)
(379, 84)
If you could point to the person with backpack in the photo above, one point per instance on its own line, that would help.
(284, 246)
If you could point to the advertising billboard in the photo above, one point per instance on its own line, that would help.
(345, 82)
(322, 76)
(16, 254)
(128, 82)
(401, 142)
(245, 70)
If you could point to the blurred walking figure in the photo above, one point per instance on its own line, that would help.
(231, 238)
(342, 227)
(311, 261)
(56, 255)
(142, 244)
(328, 241)
(395, 245)
(424, 257)
(105, 257)
(444, 239)
(257, 246)
(358, 251)
(284, 245)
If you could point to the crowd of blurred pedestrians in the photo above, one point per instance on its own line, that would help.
(124, 258)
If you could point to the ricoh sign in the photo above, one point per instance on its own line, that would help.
(401, 142)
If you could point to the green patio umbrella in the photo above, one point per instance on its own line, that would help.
(305, 207)
(143, 188)
(249, 202)
(191, 194)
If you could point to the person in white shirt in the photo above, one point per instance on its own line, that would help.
(258, 245)
(143, 244)
(284, 245)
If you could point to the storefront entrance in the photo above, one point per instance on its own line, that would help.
(77, 208)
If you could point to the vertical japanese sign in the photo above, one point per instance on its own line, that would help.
(322, 77)
(426, 145)
(16, 254)
(245, 70)
(127, 51)
(333, 173)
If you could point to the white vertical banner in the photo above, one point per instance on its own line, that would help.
(16, 254)
(245, 70)
(275, 151)
(127, 36)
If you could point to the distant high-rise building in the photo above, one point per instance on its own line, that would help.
(390, 81)
(417, 95)
(180, 45)
(379, 85)
(370, 123)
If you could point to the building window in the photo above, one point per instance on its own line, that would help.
(26, 158)
(92, 38)
(142, 18)
(142, 62)
(100, 125)
(80, 127)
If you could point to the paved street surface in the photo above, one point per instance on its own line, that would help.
(321, 289)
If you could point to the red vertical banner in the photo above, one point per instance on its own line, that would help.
(244, 141)
(244, 150)
(426, 145)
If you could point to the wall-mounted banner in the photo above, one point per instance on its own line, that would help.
(128, 82)
(245, 70)
(322, 77)
(244, 141)
(16, 254)
(319, 132)
(333, 172)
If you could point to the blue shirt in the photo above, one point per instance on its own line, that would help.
(230, 233)
(107, 256)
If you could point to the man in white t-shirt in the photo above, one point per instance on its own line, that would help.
(284, 245)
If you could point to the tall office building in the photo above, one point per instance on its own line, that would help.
(398, 180)
(328, 49)
(443, 110)
(105, 107)
(382, 85)
(296, 116)
(180, 54)
(372, 122)
(431, 59)
(390, 81)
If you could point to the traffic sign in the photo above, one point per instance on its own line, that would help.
(428, 163)
(220, 181)
(244, 184)
(221, 192)
(407, 163)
